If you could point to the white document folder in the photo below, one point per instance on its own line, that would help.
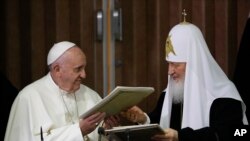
(121, 98)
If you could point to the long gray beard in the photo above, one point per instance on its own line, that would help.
(177, 90)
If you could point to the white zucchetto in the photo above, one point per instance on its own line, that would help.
(57, 50)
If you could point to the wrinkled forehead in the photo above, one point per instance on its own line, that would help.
(177, 64)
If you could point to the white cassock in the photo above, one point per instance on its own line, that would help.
(40, 104)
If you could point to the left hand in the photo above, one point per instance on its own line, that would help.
(89, 124)
(170, 135)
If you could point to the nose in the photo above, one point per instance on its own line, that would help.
(170, 69)
(83, 73)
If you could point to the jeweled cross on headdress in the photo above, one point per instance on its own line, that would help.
(184, 17)
(169, 47)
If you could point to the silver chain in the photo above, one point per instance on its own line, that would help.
(85, 138)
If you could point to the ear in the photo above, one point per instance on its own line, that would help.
(56, 67)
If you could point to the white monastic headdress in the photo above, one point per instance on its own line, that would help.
(57, 50)
(204, 79)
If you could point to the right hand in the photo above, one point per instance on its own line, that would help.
(134, 114)
(169, 135)
(88, 124)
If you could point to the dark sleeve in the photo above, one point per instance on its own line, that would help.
(156, 113)
(225, 115)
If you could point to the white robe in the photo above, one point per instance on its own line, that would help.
(40, 104)
(204, 82)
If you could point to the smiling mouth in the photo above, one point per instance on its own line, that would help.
(79, 81)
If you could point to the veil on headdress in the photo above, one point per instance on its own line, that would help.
(204, 79)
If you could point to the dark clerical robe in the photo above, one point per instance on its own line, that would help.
(225, 118)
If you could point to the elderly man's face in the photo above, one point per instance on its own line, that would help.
(177, 76)
(72, 69)
(177, 70)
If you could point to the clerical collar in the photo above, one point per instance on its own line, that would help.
(63, 92)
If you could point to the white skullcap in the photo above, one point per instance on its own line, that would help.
(179, 41)
(57, 50)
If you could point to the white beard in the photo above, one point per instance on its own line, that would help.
(177, 89)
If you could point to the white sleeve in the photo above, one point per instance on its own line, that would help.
(20, 126)
(68, 133)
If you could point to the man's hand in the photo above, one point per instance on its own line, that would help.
(88, 124)
(170, 135)
(111, 121)
(134, 114)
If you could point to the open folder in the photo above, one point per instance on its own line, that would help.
(135, 132)
(119, 99)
